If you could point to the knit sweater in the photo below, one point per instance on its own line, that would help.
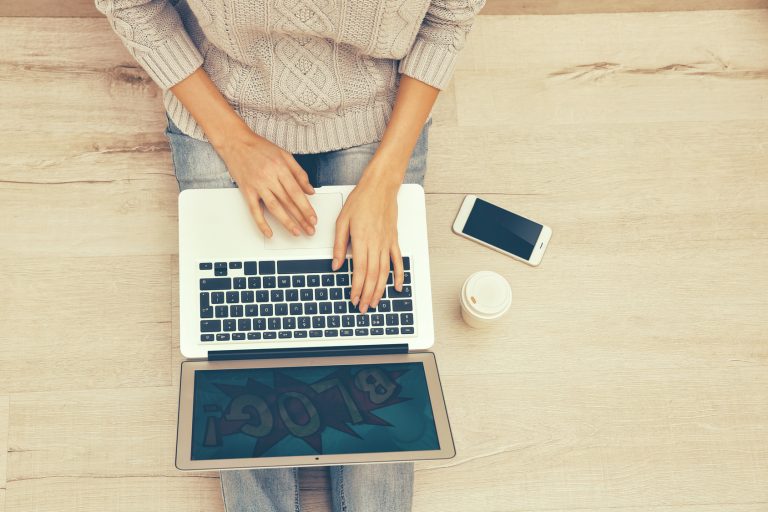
(308, 75)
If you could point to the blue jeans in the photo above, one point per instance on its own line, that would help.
(354, 488)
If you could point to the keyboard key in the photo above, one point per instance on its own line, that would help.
(277, 296)
(348, 320)
(331, 333)
(363, 321)
(346, 332)
(390, 278)
(254, 283)
(342, 279)
(236, 310)
(377, 331)
(306, 294)
(244, 324)
(406, 263)
(394, 294)
(210, 325)
(393, 319)
(222, 336)
(262, 296)
(274, 324)
(406, 278)
(220, 272)
(327, 279)
(326, 308)
(303, 266)
(222, 311)
(406, 318)
(284, 334)
(254, 335)
(283, 281)
(259, 324)
(246, 297)
(321, 294)
(313, 281)
(300, 334)
(207, 337)
(269, 335)
(347, 292)
(318, 322)
(340, 307)
(206, 266)
(206, 312)
(298, 282)
(377, 320)
(295, 308)
(313, 334)
(205, 299)
(266, 267)
(281, 309)
(310, 308)
(292, 295)
(249, 268)
(230, 325)
(235, 264)
(406, 330)
(237, 336)
(251, 310)
(361, 332)
(384, 306)
(220, 265)
(265, 310)
(402, 305)
(303, 322)
(289, 322)
(336, 294)
(333, 321)
(212, 283)
(217, 298)
(233, 297)
(268, 282)
(392, 330)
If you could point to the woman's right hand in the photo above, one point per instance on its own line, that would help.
(270, 177)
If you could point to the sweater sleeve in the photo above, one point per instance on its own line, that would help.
(154, 35)
(432, 58)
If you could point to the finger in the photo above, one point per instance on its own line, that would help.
(397, 266)
(359, 266)
(340, 242)
(300, 174)
(257, 212)
(290, 207)
(275, 208)
(299, 198)
(381, 283)
(371, 278)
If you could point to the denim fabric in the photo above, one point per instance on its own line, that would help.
(354, 488)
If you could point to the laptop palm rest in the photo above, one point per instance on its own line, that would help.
(327, 206)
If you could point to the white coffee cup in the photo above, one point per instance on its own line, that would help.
(485, 297)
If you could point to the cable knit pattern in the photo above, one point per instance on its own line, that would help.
(309, 75)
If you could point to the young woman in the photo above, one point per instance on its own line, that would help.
(279, 96)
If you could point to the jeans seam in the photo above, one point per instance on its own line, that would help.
(296, 498)
(341, 490)
(223, 494)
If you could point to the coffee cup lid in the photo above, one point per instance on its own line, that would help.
(487, 293)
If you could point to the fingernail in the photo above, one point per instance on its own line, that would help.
(313, 220)
(269, 234)
(363, 309)
(295, 231)
(355, 300)
(335, 264)
(311, 230)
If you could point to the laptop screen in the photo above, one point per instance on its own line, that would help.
(311, 410)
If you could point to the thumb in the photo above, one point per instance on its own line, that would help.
(340, 242)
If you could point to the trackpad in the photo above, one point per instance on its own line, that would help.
(327, 206)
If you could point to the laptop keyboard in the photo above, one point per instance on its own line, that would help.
(295, 299)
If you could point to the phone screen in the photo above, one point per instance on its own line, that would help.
(503, 229)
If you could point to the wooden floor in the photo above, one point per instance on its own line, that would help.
(631, 375)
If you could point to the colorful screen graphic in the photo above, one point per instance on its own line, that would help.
(278, 412)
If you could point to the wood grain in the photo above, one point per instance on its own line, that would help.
(631, 373)
(85, 8)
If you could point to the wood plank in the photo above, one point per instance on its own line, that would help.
(3, 442)
(85, 8)
(82, 323)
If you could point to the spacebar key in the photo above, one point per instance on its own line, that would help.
(303, 266)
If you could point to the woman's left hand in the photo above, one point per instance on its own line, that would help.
(369, 217)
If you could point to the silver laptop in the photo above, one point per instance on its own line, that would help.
(287, 352)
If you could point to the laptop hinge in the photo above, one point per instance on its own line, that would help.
(274, 353)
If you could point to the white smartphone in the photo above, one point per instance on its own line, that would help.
(502, 230)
